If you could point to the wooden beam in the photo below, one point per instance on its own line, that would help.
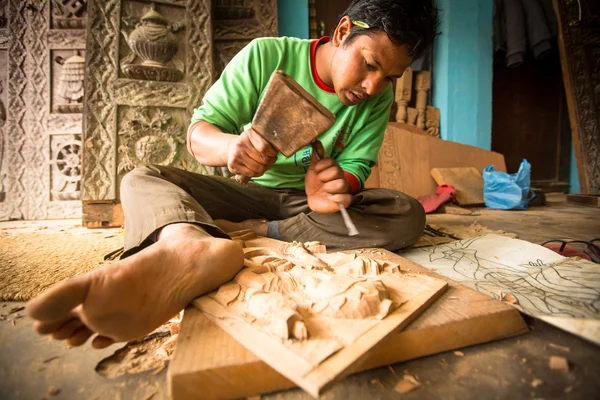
(102, 214)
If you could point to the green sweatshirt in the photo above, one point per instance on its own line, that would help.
(353, 140)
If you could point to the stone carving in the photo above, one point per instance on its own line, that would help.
(66, 39)
(66, 171)
(148, 137)
(153, 41)
(239, 21)
(2, 114)
(3, 14)
(69, 14)
(70, 86)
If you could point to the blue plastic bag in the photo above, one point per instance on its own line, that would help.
(507, 191)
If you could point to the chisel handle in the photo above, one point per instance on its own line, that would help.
(242, 179)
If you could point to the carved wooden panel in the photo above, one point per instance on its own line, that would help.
(40, 160)
(145, 80)
(579, 39)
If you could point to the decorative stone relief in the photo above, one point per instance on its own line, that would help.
(153, 41)
(67, 81)
(69, 14)
(237, 22)
(148, 136)
(65, 177)
(3, 77)
(126, 113)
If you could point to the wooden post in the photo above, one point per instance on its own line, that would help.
(422, 85)
(403, 94)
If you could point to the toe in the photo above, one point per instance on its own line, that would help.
(58, 301)
(80, 336)
(101, 342)
(67, 329)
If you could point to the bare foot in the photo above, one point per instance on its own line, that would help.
(257, 225)
(130, 298)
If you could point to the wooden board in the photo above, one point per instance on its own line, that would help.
(584, 199)
(467, 181)
(408, 154)
(209, 363)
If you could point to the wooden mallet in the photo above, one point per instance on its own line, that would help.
(290, 118)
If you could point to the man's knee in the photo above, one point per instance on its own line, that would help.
(407, 220)
(137, 175)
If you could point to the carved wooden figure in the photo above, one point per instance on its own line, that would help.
(432, 121)
(403, 94)
(422, 85)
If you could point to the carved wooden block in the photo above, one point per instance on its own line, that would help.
(413, 114)
(403, 93)
(311, 315)
(432, 121)
(422, 85)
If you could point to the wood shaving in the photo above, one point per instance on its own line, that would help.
(377, 382)
(16, 309)
(536, 382)
(558, 363)
(568, 389)
(46, 361)
(559, 347)
(52, 391)
(149, 396)
(407, 384)
(459, 354)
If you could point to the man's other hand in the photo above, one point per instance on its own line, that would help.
(325, 184)
(250, 154)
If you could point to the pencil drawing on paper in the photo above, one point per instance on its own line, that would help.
(567, 288)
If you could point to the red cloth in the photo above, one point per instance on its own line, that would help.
(443, 194)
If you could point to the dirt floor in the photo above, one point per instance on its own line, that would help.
(33, 367)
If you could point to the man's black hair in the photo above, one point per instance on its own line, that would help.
(413, 23)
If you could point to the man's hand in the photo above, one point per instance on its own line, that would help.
(250, 154)
(325, 184)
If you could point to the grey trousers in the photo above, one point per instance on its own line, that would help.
(155, 196)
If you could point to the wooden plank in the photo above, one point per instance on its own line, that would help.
(102, 214)
(467, 181)
(584, 199)
(408, 154)
(302, 361)
(209, 363)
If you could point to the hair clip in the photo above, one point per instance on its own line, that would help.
(361, 24)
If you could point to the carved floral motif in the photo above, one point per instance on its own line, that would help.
(148, 138)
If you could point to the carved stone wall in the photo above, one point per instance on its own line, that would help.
(137, 102)
(237, 22)
(40, 149)
(146, 79)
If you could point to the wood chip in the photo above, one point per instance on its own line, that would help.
(559, 347)
(558, 363)
(459, 354)
(52, 391)
(46, 361)
(568, 389)
(149, 396)
(16, 309)
(159, 369)
(536, 382)
(407, 384)
(509, 298)
(377, 382)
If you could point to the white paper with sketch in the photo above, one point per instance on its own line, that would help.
(562, 291)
